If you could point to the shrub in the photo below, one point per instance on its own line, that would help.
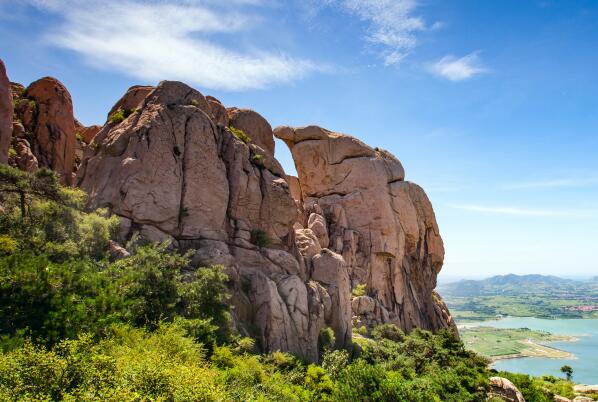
(359, 290)
(8, 245)
(119, 116)
(326, 339)
(334, 361)
(194, 102)
(388, 331)
(259, 238)
(240, 134)
(258, 159)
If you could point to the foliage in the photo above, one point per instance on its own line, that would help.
(260, 238)
(359, 290)
(240, 134)
(258, 159)
(42, 216)
(77, 326)
(119, 116)
(568, 371)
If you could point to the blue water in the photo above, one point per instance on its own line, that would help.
(585, 350)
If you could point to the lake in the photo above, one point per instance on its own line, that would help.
(585, 350)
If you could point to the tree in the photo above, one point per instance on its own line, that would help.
(568, 371)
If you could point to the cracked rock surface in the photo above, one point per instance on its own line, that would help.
(293, 247)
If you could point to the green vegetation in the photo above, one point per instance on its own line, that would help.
(260, 238)
(78, 136)
(119, 116)
(77, 326)
(258, 159)
(240, 134)
(499, 342)
(568, 371)
(540, 389)
(194, 102)
(12, 152)
(359, 290)
(521, 296)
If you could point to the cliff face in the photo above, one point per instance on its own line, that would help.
(179, 166)
(383, 226)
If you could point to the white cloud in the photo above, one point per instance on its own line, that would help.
(458, 69)
(392, 25)
(574, 182)
(177, 40)
(524, 211)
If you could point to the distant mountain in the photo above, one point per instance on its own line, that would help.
(511, 285)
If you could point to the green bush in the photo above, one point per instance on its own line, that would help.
(119, 116)
(260, 238)
(240, 134)
(359, 290)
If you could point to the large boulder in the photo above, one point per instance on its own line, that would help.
(171, 172)
(46, 110)
(383, 226)
(6, 111)
(505, 390)
(254, 125)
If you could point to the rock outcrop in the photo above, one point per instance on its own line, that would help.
(45, 121)
(6, 111)
(357, 203)
(254, 125)
(505, 390)
(172, 171)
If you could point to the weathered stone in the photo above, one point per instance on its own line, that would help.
(383, 227)
(218, 111)
(6, 111)
(504, 389)
(116, 251)
(254, 125)
(53, 126)
(131, 100)
(88, 133)
(24, 158)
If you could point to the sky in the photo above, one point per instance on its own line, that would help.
(491, 106)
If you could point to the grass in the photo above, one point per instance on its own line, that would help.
(240, 134)
(512, 342)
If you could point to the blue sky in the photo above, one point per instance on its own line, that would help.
(490, 105)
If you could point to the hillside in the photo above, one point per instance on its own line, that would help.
(522, 295)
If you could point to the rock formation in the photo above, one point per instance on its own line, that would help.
(172, 171)
(46, 125)
(357, 204)
(505, 390)
(177, 166)
(6, 110)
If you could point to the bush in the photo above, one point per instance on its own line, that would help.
(119, 116)
(388, 331)
(240, 134)
(359, 290)
(259, 238)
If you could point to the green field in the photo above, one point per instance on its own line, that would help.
(501, 343)
(521, 296)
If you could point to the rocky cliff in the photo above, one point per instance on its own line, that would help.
(175, 165)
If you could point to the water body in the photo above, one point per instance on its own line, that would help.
(585, 350)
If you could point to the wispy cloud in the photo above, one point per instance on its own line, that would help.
(576, 182)
(524, 211)
(458, 69)
(156, 40)
(392, 25)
